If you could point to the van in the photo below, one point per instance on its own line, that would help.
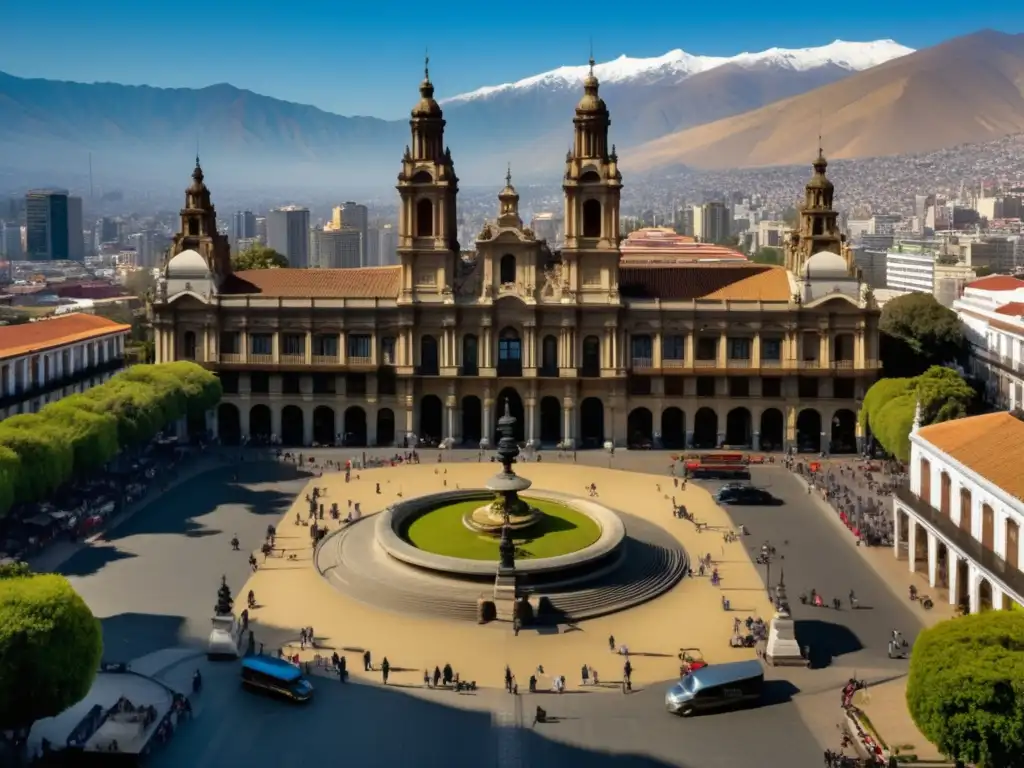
(716, 686)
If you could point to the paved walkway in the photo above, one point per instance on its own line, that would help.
(291, 593)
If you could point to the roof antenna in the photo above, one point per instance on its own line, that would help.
(821, 152)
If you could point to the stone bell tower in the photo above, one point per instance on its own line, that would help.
(592, 187)
(427, 188)
(198, 231)
(818, 228)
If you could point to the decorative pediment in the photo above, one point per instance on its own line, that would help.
(185, 299)
(835, 299)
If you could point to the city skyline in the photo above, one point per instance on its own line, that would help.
(56, 45)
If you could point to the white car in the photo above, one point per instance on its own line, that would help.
(223, 642)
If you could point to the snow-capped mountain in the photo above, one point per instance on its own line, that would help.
(678, 65)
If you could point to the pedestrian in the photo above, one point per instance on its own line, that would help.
(367, 661)
(437, 676)
(585, 674)
(611, 643)
(508, 679)
(342, 669)
(385, 669)
(426, 678)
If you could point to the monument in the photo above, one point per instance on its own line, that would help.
(507, 512)
(782, 649)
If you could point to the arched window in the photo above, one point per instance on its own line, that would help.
(422, 177)
(428, 355)
(591, 363)
(193, 226)
(189, 343)
(470, 351)
(424, 218)
(510, 353)
(507, 269)
(592, 218)
(549, 355)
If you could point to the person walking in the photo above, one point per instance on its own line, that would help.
(385, 670)
(585, 674)
(627, 674)
(611, 643)
(367, 661)
(437, 676)
(342, 669)
(508, 679)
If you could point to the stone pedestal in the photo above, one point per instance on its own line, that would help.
(782, 648)
(505, 595)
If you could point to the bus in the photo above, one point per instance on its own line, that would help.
(276, 676)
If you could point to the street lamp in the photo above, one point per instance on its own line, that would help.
(765, 557)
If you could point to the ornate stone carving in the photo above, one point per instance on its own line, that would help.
(552, 288)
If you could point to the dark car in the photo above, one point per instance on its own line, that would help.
(746, 496)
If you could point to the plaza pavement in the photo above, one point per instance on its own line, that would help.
(291, 593)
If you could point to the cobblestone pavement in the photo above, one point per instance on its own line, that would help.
(154, 583)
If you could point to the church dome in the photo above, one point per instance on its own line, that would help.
(590, 101)
(426, 106)
(826, 264)
(187, 264)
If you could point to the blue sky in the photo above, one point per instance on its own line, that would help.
(367, 57)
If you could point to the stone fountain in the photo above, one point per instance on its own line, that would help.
(507, 512)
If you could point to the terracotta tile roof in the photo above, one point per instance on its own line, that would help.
(360, 283)
(997, 283)
(663, 244)
(46, 334)
(989, 445)
(1014, 308)
(735, 282)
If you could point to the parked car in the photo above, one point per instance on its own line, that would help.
(745, 495)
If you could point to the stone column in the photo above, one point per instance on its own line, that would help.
(410, 427)
(449, 420)
(487, 421)
(953, 574)
(897, 525)
(531, 422)
(757, 441)
(275, 419)
(568, 433)
(307, 424)
(911, 543)
(243, 418)
(933, 558)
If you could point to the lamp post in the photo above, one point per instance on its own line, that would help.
(765, 558)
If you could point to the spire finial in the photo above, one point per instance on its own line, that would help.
(591, 57)
(508, 176)
(426, 64)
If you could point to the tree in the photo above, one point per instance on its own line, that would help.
(44, 450)
(140, 282)
(918, 332)
(982, 271)
(258, 256)
(767, 255)
(965, 690)
(890, 404)
(224, 600)
(50, 649)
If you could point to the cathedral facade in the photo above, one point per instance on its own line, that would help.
(587, 351)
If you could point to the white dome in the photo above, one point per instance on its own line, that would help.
(826, 264)
(187, 264)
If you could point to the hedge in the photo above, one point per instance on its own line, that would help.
(81, 433)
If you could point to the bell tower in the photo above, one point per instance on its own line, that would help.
(508, 204)
(592, 187)
(427, 188)
(198, 230)
(818, 228)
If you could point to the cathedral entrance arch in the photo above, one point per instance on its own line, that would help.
(355, 427)
(738, 428)
(640, 428)
(259, 423)
(472, 420)
(292, 427)
(431, 418)
(591, 423)
(773, 430)
(550, 421)
(705, 428)
(515, 408)
(229, 424)
(323, 425)
(385, 427)
(673, 428)
(808, 431)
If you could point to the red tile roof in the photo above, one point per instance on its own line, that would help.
(989, 445)
(1014, 308)
(997, 283)
(41, 335)
(660, 244)
(735, 282)
(359, 283)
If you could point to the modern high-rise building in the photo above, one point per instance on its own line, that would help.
(149, 247)
(387, 246)
(243, 226)
(354, 216)
(10, 242)
(335, 248)
(712, 222)
(261, 229)
(76, 231)
(288, 234)
(46, 219)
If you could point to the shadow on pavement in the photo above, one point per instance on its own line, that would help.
(826, 640)
(128, 636)
(92, 559)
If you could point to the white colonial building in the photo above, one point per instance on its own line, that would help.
(46, 360)
(992, 312)
(961, 517)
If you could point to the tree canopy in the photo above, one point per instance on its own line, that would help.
(50, 647)
(965, 691)
(767, 255)
(258, 256)
(918, 332)
(890, 404)
(81, 433)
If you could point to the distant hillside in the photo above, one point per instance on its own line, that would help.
(967, 90)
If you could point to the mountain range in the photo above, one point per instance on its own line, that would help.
(751, 109)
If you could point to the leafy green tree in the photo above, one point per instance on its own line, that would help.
(93, 434)
(44, 450)
(965, 690)
(10, 473)
(918, 332)
(767, 255)
(890, 404)
(50, 649)
(982, 271)
(258, 256)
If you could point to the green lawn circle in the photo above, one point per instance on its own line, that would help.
(560, 531)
